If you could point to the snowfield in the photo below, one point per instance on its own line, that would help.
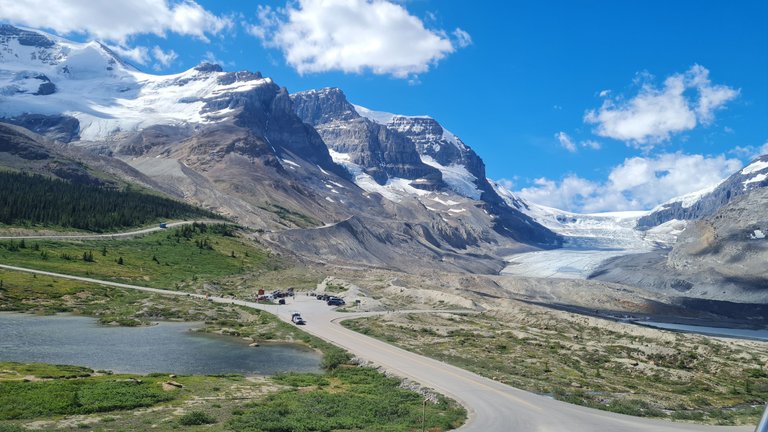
(105, 94)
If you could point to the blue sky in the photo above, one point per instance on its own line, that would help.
(588, 106)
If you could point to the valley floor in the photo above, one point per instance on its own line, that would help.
(490, 401)
(566, 263)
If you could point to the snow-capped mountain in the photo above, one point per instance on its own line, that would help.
(233, 142)
(44, 74)
(707, 201)
(412, 157)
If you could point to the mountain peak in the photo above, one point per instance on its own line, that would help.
(323, 106)
(25, 37)
(208, 67)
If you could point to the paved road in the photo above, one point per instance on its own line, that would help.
(109, 236)
(492, 406)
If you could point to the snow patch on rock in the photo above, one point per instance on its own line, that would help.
(756, 179)
(755, 167)
(457, 177)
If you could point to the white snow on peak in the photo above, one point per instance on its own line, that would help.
(396, 189)
(507, 195)
(457, 177)
(453, 139)
(688, 200)
(754, 167)
(387, 119)
(106, 95)
(381, 117)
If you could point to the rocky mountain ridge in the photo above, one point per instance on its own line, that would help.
(401, 156)
(708, 201)
(232, 142)
(718, 258)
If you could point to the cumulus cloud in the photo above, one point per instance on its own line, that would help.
(639, 183)
(164, 58)
(115, 20)
(655, 114)
(566, 141)
(751, 151)
(354, 36)
(137, 54)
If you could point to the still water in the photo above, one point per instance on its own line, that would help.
(165, 347)
(759, 334)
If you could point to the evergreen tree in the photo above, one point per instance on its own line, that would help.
(82, 206)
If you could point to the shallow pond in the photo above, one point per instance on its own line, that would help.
(165, 347)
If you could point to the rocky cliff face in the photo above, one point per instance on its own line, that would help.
(350, 190)
(410, 152)
(732, 243)
(708, 202)
(379, 151)
(721, 257)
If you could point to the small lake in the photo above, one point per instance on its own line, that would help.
(166, 347)
(760, 334)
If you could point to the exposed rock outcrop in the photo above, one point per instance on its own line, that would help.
(721, 257)
(706, 203)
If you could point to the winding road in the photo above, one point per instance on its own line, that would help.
(492, 406)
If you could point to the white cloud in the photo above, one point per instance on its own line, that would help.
(638, 183)
(566, 141)
(115, 20)
(750, 152)
(506, 183)
(591, 144)
(137, 54)
(164, 58)
(463, 39)
(353, 36)
(567, 194)
(655, 114)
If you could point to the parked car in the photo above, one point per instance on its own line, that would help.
(335, 301)
(297, 319)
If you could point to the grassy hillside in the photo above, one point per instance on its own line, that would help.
(34, 200)
(183, 257)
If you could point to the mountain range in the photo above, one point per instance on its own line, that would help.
(238, 144)
(318, 177)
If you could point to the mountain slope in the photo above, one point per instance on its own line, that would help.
(706, 202)
(412, 157)
(232, 142)
(721, 257)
